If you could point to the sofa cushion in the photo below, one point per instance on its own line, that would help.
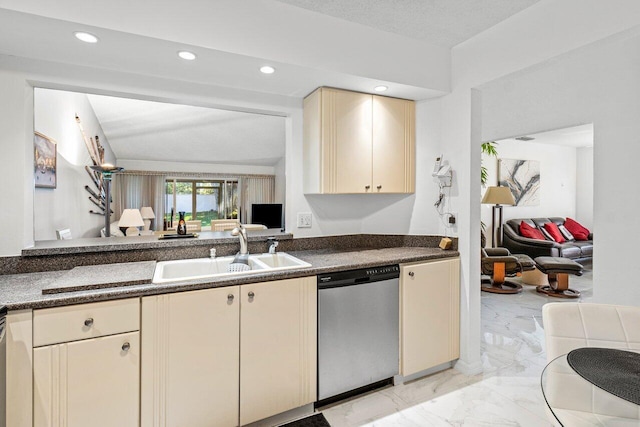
(528, 231)
(566, 233)
(578, 230)
(586, 248)
(569, 250)
(552, 229)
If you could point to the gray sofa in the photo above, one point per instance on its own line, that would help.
(517, 244)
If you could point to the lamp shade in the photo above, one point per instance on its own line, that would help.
(130, 218)
(147, 213)
(498, 196)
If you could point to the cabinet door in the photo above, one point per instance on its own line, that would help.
(190, 358)
(93, 382)
(277, 347)
(393, 145)
(346, 147)
(430, 314)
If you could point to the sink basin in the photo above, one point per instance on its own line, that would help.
(280, 260)
(202, 268)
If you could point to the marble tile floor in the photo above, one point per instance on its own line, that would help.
(507, 393)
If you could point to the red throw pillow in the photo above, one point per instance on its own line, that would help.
(528, 231)
(554, 231)
(575, 228)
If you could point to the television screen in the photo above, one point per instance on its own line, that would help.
(267, 214)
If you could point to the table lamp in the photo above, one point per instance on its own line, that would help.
(497, 196)
(129, 222)
(147, 216)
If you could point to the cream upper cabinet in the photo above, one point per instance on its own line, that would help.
(278, 341)
(393, 145)
(86, 365)
(358, 143)
(429, 314)
(190, 358)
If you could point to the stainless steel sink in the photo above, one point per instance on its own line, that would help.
(202, 268)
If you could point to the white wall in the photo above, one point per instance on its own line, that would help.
(68, 205)
(558, 183)
(598, 84)
(280, 173)
(584, 186)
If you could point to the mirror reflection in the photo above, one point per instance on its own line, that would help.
(212, 167)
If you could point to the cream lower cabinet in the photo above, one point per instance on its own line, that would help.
(278, 342)
(228, 356)
(190, 356)
(86, 368)
(429, 314)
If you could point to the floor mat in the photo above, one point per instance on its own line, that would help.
(315, 420)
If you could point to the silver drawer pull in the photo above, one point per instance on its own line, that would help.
(411, 274)
(251, 294)
(379, 187)
(126, 346)
(366, 187)
(89, 322)
(230, 297)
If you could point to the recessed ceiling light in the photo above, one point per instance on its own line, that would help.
(185, 54)
(267, 69)
(380, 88)
(86, 37)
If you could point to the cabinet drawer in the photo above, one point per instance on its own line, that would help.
(77, 322)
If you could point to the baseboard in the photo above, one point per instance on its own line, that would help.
(399, 379)
(468, 369)
(284, 417)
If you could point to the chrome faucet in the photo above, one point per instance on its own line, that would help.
(273, 244)
(241, 232)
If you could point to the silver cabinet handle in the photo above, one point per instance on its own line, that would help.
(379, 187)
(366, 187)
(126, 346)
(89, 322)
(411, 274)
(251, 294)
(230, 297)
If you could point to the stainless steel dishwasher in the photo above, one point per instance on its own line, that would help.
(357, 330)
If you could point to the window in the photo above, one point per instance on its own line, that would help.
(203, 200)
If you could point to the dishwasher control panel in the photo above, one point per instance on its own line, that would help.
(364, 275)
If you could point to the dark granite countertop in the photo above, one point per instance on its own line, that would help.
(25, 291)
(101, 244)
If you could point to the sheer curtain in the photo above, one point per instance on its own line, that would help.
(133, 191)
(256, 190)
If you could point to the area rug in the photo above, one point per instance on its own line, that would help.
(315, 420)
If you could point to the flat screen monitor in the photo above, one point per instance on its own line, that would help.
(269, 214)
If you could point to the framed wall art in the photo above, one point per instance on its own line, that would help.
(523, 178)
(44, 161)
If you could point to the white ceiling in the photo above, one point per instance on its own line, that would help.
(441, 22)
(353, 44)
(146, 130)
(576, 136)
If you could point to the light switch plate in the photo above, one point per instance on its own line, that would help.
(304, 219)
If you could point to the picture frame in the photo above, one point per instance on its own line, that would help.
(523, 178)
(45, 161)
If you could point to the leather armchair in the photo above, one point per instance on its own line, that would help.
(498, 263)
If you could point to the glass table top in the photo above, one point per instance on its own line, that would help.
(574, 401)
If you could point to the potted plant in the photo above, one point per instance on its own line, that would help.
(488, 148)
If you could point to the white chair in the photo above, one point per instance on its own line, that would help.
(63, 234)
(568, 326)
(193, 226)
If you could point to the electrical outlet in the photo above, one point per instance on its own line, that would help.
(304, 219)
(452, 219)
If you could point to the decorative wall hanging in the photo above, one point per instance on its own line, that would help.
(44, 161)
(523, 178)
(96, 152)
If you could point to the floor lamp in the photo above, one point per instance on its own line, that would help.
(107, 170)
(497, 196)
